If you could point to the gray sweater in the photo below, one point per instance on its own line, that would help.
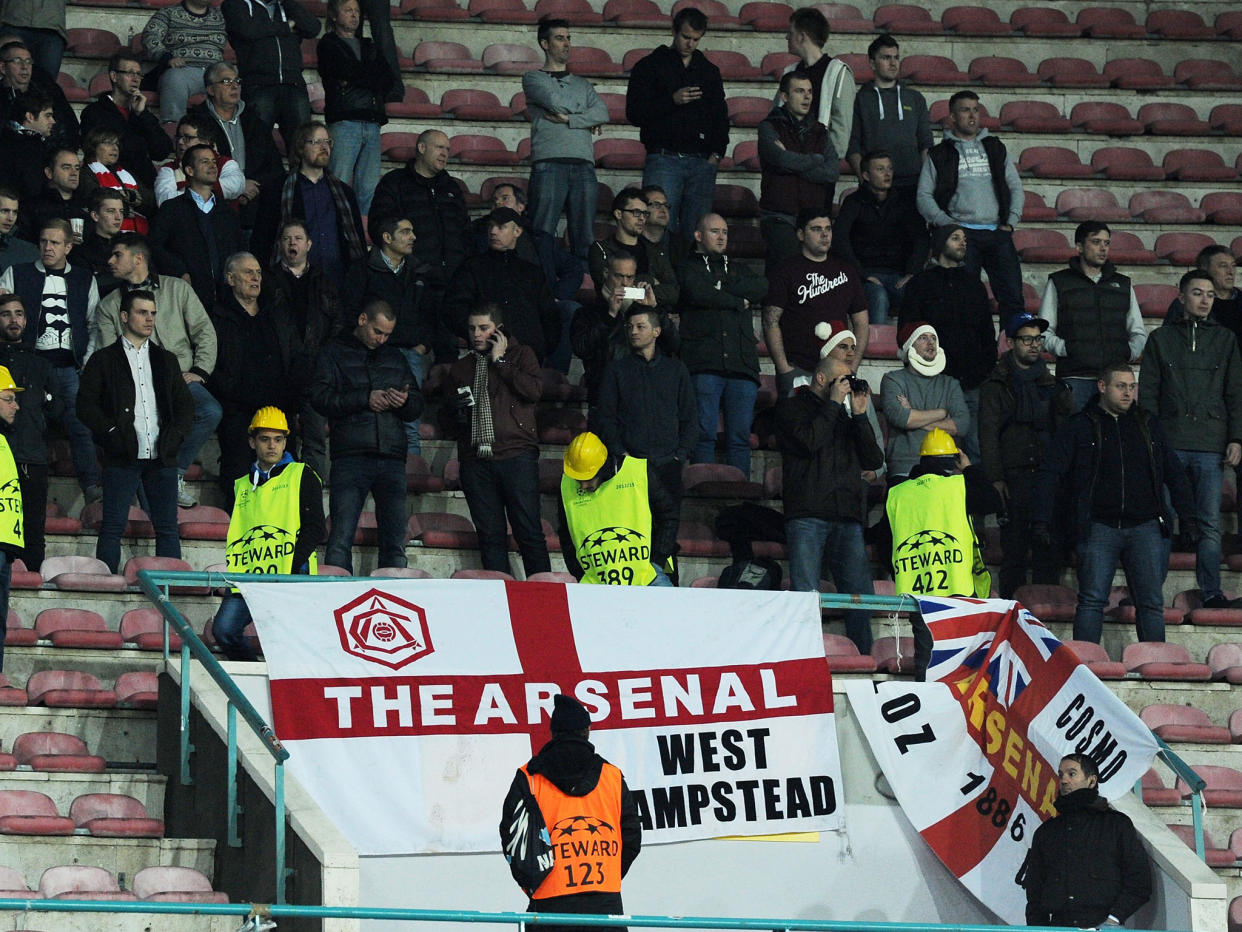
(974, 201)
(571, 95)
(924, 394)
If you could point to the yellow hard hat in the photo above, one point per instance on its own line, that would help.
(6, 381)
(584, 456)
(938, 442)
(269, 418)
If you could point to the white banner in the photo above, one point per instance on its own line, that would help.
(972, 758)
(407, 704)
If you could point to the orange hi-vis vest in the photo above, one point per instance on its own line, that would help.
(585, 833)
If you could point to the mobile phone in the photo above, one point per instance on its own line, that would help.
(631, 293)
(465, 396)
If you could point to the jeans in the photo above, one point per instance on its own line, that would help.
(689, 181)
(816, 542)
(496, 488)
(177, 86)
(993, 251)
(737, 395)
(419, 364)
(781, 239)
(352, 478)
(207, 413)
(46, 46)
(661, 577)
(119, 485)
(570, 187)
(1144, 556)
(882, 295)
(229, 627)
(1015, 536)
(1083, 390)
(287, 104)
(81, 443)
(356, 158)
(1205, 471)
(32, 477)
(968, 440)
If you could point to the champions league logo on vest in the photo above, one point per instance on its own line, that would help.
(583, 836)
(10, 496)
(259, 550)
(383, 629)
(928, 554)
(610, 545)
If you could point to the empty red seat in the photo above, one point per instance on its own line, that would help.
(1109, 23)
(1043, 245)
(438, 529)
(80, 882)
(203, 522)
(450, 57)
(419, 477)
(1229, 24)
(84, 574)
(92, 43)
(436, 11)
(55, 520)
(1105, 117)
(1002, 72)
(697, 539)
(114, 815)
(165, 883)
(401, 572)
(481, 574)
(474, 105)
(68, 689)
(1198, 165)
(1226, 118)
(620, 153)
(635, 13)
(932, 69)
(501, 11)
(1126, 163)
(893, 655)
(13, 884)
(22, 578)
(559, 425)
(1224, 207)
(134, 565)
(1154, 301)
(733, 65)
(1182, 248)
(1047, 602)
(577, 12)
(1097, 660)
(1164, 207)
(583, 59)
(1043, 21)
(775, 63)
(1159, 661)
(1090, 204)
(1034, 208)
(1213, 855)
(843, 656)
(1137, 74)
(735, 200)
(974, 21)
(1207, 75)
(137, 689)
(1225, 661)
(1128, 249)
(1179, 24)
(1033, 116)
(473, 149)
(75, 627)
(1169, 119)
(510, 58)
(1183, 723)
(902, 18)
(748, 111)
(73, 91)
(764, 16)
(27, 812)
(1053, 162)
(716, 480)
(718, 15)
(55, 752)
(1155, 793)
(1224, 785)
(1071, 72)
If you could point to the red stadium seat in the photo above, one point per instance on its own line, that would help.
(400, 572)
(932, 69)
(75, 627)
(697, 539)
(437, 529)
(11, 695)
(1181, 248)
(1154, 301)
(419, 477)
(137, 689)
(415, 105)
(717, 480)
(436, 11)
(57, 522)
(164, 883)
(13, 885)
(974, 21)
(114, 815)
(746, 155)
(1229, 24)
(859, 64)
(1225, 661)
(1034, 208)
(842, 17)
(775, 63)
(27, 812)
(1179, 24)
(1002, 72)
(893, 655)
(1155, 793)
(552, 577)
(68, 689)
(1109, 23)
(92, 43)
(1097, 660)
(1207, 75)
(202, 522)
(843, 656)
(144, 628)
(735, 200)
(1053, 162)
(1033, 116)
(1128, 249)
(481, 574)
(910, 20)
(764, 17)
(1183, 723)
(559, 425)
(635, 13)
(1090, 204)
(80, 574)
(1106, 117)
(1047, 602)
(1164, 207)
(1042, 246)
(733, 65)
(1044, 22)
(620, 153)
(136, 525)
(1137, 74)
(74, 92)
(509, 58)
(135, 564)
(80, 882)
(1168, 119)
(1224, 785)
(22, 578)
(54, 752)
(1213, 855)
(1159, 661)
(1224, 207)
(1071, 72)
(1125, 163)
(449, 57)
(577, 12)
(748, 111)
(717, 13)
(474, 105)
(616, 106)
(1198, 165)
(585, 60)
(632, 57)
(502, 11)
(476, 149)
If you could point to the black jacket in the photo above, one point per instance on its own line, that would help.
(106, 400)
(48, 204)
(717, 330)
(699, 128)
(65, 132)
(1007, 443)
(402, 290)
(1085, 864)
(22, 167)
(259, 360)
(955, 302)
(353, 87)
(520, 290)
(143, 140)
(823, 454)
(888, 235)
(270, 215)
(646, 408)
(179, 246)
(28, 436)
(437, 208)
(598, 338)
(323, 314)
(514, 389)
(269, 48)
(345, 375)
(263, 161)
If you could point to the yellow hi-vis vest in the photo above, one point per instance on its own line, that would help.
(611, 527)
(935, 551)
(11, 531)
(585, 833)
(265, 523)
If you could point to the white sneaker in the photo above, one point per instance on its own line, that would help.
(184, 498)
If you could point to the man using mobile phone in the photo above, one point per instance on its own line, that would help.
(124, 110)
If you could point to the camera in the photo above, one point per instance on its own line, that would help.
(858, 385)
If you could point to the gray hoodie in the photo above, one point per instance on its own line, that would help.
(974, 202)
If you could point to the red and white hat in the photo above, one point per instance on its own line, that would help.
(833, 334)
(906, 335)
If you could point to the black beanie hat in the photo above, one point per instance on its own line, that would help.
(940, 236)
(568, 714)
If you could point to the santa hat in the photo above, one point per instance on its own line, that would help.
(906, 335)
(833, 334)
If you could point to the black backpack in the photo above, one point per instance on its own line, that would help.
(755, 573)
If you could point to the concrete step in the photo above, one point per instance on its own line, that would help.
(64, 788)
(32, 855)
(116, 922)
(125, 738)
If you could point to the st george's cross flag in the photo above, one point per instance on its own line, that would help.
(972, 754)
(407, 705)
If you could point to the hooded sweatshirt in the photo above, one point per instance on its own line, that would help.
(973, 203)
(895, 119)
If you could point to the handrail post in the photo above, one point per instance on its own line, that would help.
(280, 832)
(1196, 814)
(186, 747)
(234, 809)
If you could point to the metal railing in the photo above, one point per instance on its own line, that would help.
(159, 585)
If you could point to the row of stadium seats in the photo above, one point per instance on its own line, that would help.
(81, 882)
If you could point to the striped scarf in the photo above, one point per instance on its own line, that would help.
(121, 180)
(482, 430)
(354, 247)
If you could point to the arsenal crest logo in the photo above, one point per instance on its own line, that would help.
(383, 629)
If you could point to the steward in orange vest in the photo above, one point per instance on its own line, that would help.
(569, 827)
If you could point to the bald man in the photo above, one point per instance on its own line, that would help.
(718, 344)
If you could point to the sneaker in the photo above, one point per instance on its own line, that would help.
(184, 498)
(1216, 601)
(93, 493)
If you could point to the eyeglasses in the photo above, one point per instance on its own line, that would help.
(1030, 341)
(230, 82)
(320, 142)
(19, 61)
(636, 212)
(182, 137)
(658, 205)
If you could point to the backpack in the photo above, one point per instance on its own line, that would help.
(755, 573)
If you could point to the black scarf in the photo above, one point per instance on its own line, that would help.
(1031, 402)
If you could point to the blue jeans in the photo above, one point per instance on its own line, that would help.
(689, 181)
(496, 488)
(207, 413)
(419, 364)
(1144, 556)
(968, 440)
(356, 158)
(1083, 390)
(661, 577)
(46, 46)
(120, 483)
(815, 543)
(882, 296)
(570, 187)
(81, 443)
(560, 358)
(286, 104)
(993, 251)
(1206, 471)
(737, 395)
(229, 628)
(177, 86)
(352, 478)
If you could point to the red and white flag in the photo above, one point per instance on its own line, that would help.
(406, 705)
(972, 757)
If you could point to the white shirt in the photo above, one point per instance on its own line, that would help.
(146, 413)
